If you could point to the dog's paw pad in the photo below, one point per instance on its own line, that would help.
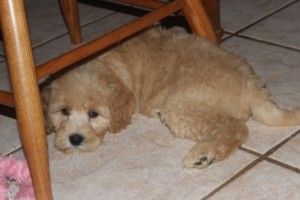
(198, 160)
(200, 156)
(202, 162)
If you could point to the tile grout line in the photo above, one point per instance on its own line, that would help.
(268, 42)
(265, 17)
(234, 177)
(272, 160)
(283, 165)
(260, 41)
(14, 151)
(275, 148)
(82, 26)
(236, 33)
(261, 157)
(66, 33)
(63, 34)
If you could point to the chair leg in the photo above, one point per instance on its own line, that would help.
(69, 9)
(198, 19)
(26, 94)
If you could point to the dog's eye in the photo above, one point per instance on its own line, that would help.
(93, 114)
(65, 111)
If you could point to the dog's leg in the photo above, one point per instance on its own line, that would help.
(217, 136)
(222, 137)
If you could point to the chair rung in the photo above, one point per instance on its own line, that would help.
(7, 98)
(108, 39)
(149, 4)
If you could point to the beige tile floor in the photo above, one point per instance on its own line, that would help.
(265, 32)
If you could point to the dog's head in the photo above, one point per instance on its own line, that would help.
(81, 106)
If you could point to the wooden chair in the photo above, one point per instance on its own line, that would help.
(210, 14)
(25, 75)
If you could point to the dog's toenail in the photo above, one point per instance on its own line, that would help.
(76, 139)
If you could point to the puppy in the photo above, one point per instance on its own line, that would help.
(198, 90)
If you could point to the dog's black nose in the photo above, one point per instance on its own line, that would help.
(76, 139)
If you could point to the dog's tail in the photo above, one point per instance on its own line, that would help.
(268, 113)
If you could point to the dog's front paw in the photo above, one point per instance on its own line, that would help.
(199, 157)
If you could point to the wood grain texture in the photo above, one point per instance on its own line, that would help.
(6, 98)
(70, 13)
(26, 94)
(198, 19)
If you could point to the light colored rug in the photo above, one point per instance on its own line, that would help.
(141, 162)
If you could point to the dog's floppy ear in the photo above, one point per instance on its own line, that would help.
(45, 96)
(121, 108)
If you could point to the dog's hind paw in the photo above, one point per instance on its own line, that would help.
(199, 158)
(200, 162)
(203, 162)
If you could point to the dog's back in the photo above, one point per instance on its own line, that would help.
(163, 63)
